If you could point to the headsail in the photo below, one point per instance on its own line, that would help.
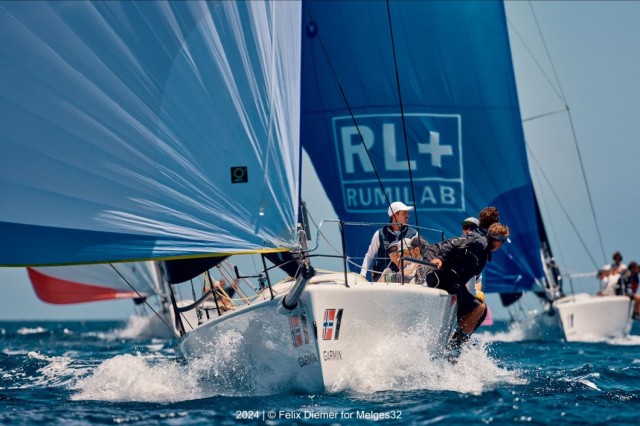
(92, 283)
(138, 130)
(459, 108)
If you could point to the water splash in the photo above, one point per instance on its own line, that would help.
(404, 364)
(133, 378)
(160, 378)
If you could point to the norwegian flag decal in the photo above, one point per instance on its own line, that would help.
(299, 329)
(294, 326)
(331, 324)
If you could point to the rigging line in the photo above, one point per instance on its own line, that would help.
(145, 300)
(546, 50)
(546, 114)
(348, 105)
(546, 205)
(586, 184)
(228, 267)
(553, 228)
(558, 93)
(562, 207)
(324, 237)
(573, 131)
(335, 249)
(404, 125)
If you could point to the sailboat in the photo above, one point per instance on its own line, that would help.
(140, 281)
(172, 131)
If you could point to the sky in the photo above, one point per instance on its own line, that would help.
(591, 64)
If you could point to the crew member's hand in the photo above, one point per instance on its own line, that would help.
(410, 268)
(437, 262)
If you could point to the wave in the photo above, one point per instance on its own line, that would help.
(32, 369)
(138, 327)
(25, 330)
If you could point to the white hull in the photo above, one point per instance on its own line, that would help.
(311, 348)
(588, 318)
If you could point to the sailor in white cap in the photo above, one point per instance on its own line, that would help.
(397, 229)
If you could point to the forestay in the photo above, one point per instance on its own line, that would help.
(138, 130)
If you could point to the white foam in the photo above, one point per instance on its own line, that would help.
(132, 378)
(533, 327)
(585, 380)
(630, 340)
(400, 363)
(403, 363)
(14, 352)
(25, 330)
(155, 377)
(56, 371)
(511, 335)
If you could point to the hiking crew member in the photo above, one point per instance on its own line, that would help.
(458, 260)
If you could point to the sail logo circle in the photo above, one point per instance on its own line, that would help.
(239, 175)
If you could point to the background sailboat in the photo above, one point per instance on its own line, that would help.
(140, 281)
(581, 317)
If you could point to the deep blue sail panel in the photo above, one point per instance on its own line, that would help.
(461, 119)
(148, 129)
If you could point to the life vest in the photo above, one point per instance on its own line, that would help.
(387, 236)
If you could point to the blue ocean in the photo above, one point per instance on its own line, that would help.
(76, 373)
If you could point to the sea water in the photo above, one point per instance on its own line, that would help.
(76, 373)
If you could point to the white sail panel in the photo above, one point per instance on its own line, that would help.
(136, 130)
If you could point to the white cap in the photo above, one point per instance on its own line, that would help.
(404, 243)
(398, 206)
(471, 220)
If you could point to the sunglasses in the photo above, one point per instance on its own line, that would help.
(398, 251)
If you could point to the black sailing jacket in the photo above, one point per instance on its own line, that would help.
(462, 259)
